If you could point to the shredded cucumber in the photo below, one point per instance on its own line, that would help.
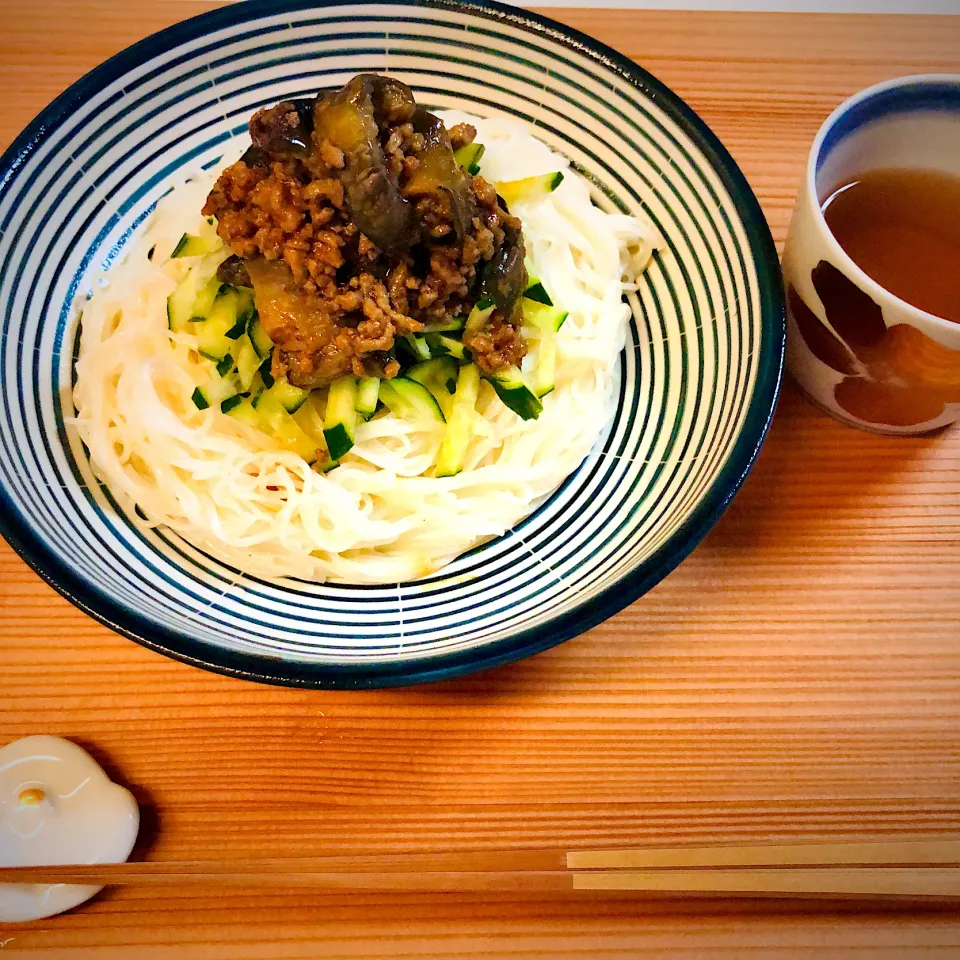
(443, 346)
(542, 316)
(529, 188)
(368, 394)
(190, 245)
(217, 333)
(247, 361)
(478, 317)
(535, 289)
(194, 297)
(340, 422)
(283, 428)
(243, 411)
(215, 391)
(469, 156)
(289, 397)
(417, 346)
(445, 326)
(513, 389)
(453, 450)
(410, 400)
(258, 335)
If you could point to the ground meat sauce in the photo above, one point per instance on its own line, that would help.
(330, 298)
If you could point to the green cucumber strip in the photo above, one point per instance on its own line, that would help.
(410, 400)
(225, 366)
(283, 428)
(338, 440)
(258, 335)
(240, 304)
(511, 387)
(445, 326)
(289, 397)
(437, 370)
(443, 346)
(542, 316)
(190, 245)
(545, 373)
(215, 391)
(247, 306)
(535, 289)
(469, 156)
(537, 293)
(478, 317)
(214, 338)
(418, 346)
(230, 403)
(244, 412)
(529, 188)
(239, 329)
(340, 422)
(247, 362)
(205, 300)
(256, 388)
(435, 375)
(309, 416)
(265, 373)
(456, 439)
(196, 291)
(368, 393)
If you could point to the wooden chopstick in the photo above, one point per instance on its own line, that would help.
(944, 852)
(862, 882)
(917, 869)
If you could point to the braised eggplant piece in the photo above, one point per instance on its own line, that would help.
(233, 270)
(348, 120)
(505, 276)
(255, 157)
(439, 177)
(285, 129)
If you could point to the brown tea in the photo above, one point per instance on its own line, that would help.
(902, 228)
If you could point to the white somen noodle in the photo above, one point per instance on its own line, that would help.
(380, 517)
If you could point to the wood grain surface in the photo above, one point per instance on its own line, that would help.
(798, 677)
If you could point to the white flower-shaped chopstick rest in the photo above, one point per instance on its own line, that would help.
(57, 806)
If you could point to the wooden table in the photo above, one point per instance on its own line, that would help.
(798, 676)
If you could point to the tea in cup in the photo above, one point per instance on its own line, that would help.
(872, 260)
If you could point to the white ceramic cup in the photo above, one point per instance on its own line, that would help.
(859, 352)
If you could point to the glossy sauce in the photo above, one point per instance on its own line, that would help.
(902, 228)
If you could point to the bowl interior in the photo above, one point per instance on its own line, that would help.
(698, 379)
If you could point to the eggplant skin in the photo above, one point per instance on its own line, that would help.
(505, 275)
(440, 177)
(285, 130)
(350, 119)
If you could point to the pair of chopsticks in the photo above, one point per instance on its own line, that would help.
(917, 869)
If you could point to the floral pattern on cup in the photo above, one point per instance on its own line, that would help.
(893, 376)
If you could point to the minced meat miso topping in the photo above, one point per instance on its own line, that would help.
(358, 229)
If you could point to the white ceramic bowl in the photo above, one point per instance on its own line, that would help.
(699, 376)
